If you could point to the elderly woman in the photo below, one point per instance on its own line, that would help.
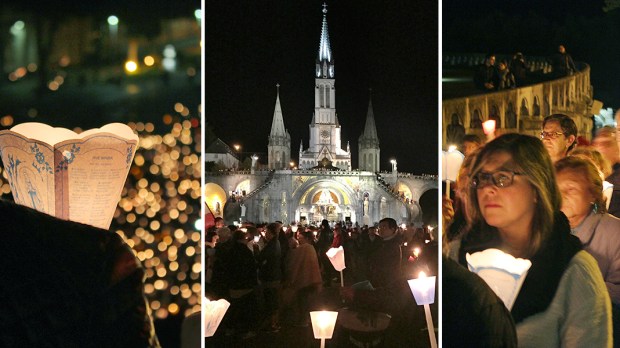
(584, 206)
(515, 206)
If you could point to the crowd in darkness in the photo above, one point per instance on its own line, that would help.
(496, 76)
(274, 275)
(555, 201)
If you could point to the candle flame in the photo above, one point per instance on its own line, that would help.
(422, 275)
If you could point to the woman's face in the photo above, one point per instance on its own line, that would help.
(510, 208)
(576, 196)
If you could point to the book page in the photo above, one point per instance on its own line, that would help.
(91, 173)
(29, 165)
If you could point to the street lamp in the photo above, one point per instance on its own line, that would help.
(198, 16)
(113, 27)
(393, 161)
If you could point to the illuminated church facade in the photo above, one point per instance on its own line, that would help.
(324, 186)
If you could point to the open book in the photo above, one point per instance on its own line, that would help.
(77, 177)
(501, 271)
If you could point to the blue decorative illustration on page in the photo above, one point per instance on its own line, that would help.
(41, 165)
(11, 170)
(68, 158)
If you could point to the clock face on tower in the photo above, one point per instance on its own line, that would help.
(325, 134)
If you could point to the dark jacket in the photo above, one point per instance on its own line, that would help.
(66, 284)
(241, 268)
(269, 262)
(614, 203)
(384, 263)
(473, 316)
(562, 64)
(485, 74)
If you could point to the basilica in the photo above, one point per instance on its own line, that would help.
(325, 185)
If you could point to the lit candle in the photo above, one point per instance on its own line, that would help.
(323, 323)
(423, 290)
(488, 127)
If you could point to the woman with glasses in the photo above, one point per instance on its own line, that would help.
(515, 206)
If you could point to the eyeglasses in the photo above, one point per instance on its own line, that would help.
(550, 135)
(500, 179)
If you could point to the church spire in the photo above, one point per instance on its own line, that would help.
(325, 51)
(325, 61)
(279, 147)
(370, 130)
(368, 144)
(277, 125)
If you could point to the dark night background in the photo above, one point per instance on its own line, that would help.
(390, 47)
(588, 29)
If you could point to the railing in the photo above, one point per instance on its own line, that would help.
(522, 109)
(381, 183)
(262, 186)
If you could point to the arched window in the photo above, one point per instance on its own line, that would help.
(321, 93)
(524, 111)
(536, 108)
(327, 96)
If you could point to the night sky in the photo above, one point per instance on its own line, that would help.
(390, 47)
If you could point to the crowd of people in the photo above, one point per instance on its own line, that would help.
(274, 274)
(492, 75)
(554, 203)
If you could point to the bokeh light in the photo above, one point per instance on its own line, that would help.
(158, 211)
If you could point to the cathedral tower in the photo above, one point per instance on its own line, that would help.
(369, 143)
(325, 139)
(279, 148)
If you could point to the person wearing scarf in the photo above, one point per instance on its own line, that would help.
(515, 207)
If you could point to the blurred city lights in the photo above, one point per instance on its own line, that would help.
(149, 61)
(113, 20)
(170, 55)
(131, 66)
(17, 27)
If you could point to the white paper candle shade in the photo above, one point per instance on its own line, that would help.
(214, 312)
(77, 177)
(323, 323)
(451, 163)
(423, 289)
(501, 271)
(336, 257)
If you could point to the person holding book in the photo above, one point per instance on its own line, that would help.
(514, 204)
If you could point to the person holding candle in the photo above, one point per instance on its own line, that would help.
(514, 203)
(583, 203)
